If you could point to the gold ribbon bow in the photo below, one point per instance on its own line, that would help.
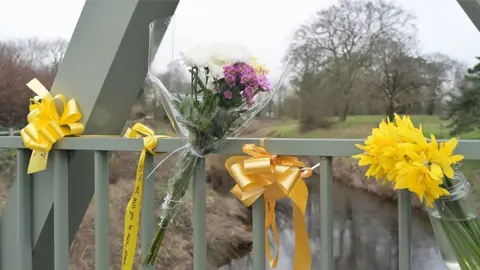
(132, 213)
(274, 177)
(49, 120)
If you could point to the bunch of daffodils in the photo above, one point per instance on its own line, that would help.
(399, 153)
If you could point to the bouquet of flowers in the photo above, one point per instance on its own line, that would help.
(399, 153)
(227, 88)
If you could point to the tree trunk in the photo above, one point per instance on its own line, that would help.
(430, 107)
(296, 109)
(390, 111)
(432, 102)
(279, 108)
(270, 109)
(344, 112)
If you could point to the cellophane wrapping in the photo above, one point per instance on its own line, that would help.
(223, 88)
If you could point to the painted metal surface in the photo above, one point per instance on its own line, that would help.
(103, 69)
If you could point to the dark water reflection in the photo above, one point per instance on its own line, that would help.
(365, 235)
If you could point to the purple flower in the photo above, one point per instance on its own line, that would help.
(264, 83)
(248, 94)
(247, 74)
(244, 68)
(230, 70)
(231, 73)
(249, 79)
(227, 94)
(231, 80)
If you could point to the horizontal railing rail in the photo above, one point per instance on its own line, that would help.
(305, 147)
(9, 132)
(325, 149)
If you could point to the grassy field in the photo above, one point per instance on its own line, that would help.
(361, 126)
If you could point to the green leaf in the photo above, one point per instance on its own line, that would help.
(196, 103)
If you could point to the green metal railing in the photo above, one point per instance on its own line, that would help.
(325, 149)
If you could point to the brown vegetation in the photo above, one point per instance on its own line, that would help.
(228, 232)
(21, 61)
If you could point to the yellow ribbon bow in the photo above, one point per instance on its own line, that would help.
(132, 213)
(49, 120)
(274, 177)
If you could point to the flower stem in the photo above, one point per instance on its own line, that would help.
(455, 246)
(462, 235)
(180, 182)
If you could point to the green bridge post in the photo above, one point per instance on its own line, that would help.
(472, 9)
(103, 69)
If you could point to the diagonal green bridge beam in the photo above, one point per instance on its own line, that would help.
(472, 9)
(103, 69)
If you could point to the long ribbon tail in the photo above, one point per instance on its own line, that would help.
(302, 256)
(271, 223)
(132, 217)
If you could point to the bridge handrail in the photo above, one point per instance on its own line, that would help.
(325, 149)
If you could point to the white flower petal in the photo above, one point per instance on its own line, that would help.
(215, 70)
(197, 56)
(215, 57)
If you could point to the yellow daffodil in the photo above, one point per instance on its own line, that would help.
(399, 152)
(259, 68)
(443, 155)
(407, 131)
(405, 122)
(422, 180)
(383, 138)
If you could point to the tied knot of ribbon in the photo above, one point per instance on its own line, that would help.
(149, 138)
(49, 120)
(132, 213)
(274, 177)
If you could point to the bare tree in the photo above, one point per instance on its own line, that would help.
(341, 38)
(397, 74)
(14, 97)
(443, 74)
(55, 51)
(21, 61)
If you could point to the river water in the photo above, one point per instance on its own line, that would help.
(365, 234)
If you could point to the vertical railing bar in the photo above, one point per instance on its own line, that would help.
(147, 222)
(326, 214)
(199, 217)
(24, 215)
(102, 234)
(60, 208)
(404, 230)
(258, 227)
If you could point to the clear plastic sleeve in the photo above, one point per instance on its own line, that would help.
(217, 91)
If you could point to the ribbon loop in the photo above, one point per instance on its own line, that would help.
(149, 137)
(46, 125)
(274, 177)
(258, 165)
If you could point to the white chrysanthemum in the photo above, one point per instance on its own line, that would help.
(197, 56)
(215, 57)
(215, 69)
(229, 53)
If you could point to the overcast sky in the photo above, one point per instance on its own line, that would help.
(264, 25)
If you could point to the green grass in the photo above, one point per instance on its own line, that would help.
(287, 129)
(360, 126)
